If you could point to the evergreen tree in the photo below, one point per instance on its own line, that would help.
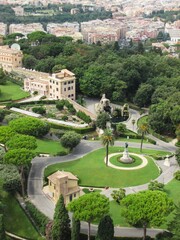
(2, 230)
(105, 229)
(61, 224)
(175, 223)
(75, 232)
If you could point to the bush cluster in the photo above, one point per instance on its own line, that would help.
(40, 110)
(61, 103)
(38, 217)
(83, 116)
(177, 175)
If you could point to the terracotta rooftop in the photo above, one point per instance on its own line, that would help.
(61, 174)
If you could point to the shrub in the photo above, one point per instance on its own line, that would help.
(118, 195)
(177, 175)
(2, 115)
(40, 110)
(38, 217)
(120, 128)
(64, 118)
(61, 153)
(83, 116)
(155, 185)
(61, 103)
(70, 140)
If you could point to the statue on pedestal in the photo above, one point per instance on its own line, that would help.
(126, 158)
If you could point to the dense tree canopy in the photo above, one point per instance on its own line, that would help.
(147, 208)
(6, 133)
(21, 159)
(89, 207)
(22, 141)
(123, 75)
(30, 126)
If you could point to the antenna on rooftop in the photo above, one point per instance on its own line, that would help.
(15, 46)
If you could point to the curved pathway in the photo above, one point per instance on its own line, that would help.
(143, 164)
(44, 204)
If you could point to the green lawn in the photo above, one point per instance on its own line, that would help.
(173, 190)
(115, 160)
(12, 91)
(92, 171)
(15, 219)
(49, 147)
(116, 214)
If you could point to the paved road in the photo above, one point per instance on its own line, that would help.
(43, 203)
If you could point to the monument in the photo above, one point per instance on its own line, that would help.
(167, 161)
(126, 158)
(104, 105)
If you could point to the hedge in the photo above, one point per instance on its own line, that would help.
(83, 116)
(78, 130)
(38, 217)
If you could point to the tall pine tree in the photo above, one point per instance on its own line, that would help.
(61, 223)
(105, 229)
(75, 231)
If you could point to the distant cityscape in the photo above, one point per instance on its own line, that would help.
(128, 21)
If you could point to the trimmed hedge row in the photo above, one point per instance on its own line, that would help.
(38, 217)
(83, 116)
(78, 130)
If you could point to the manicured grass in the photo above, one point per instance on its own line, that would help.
(115, 160)
(15, 219)
(116, 215)
(49, 147)
(92, 171)
(12, 91)
(173, 190)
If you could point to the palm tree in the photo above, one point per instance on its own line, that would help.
(143, 130)
(107, 139)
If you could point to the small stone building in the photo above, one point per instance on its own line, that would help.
(64, 183)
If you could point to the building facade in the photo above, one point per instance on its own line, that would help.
(64, 183)
(55, 86)
(10, 58)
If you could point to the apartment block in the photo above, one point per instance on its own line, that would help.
(25, 28)
(3, 29)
